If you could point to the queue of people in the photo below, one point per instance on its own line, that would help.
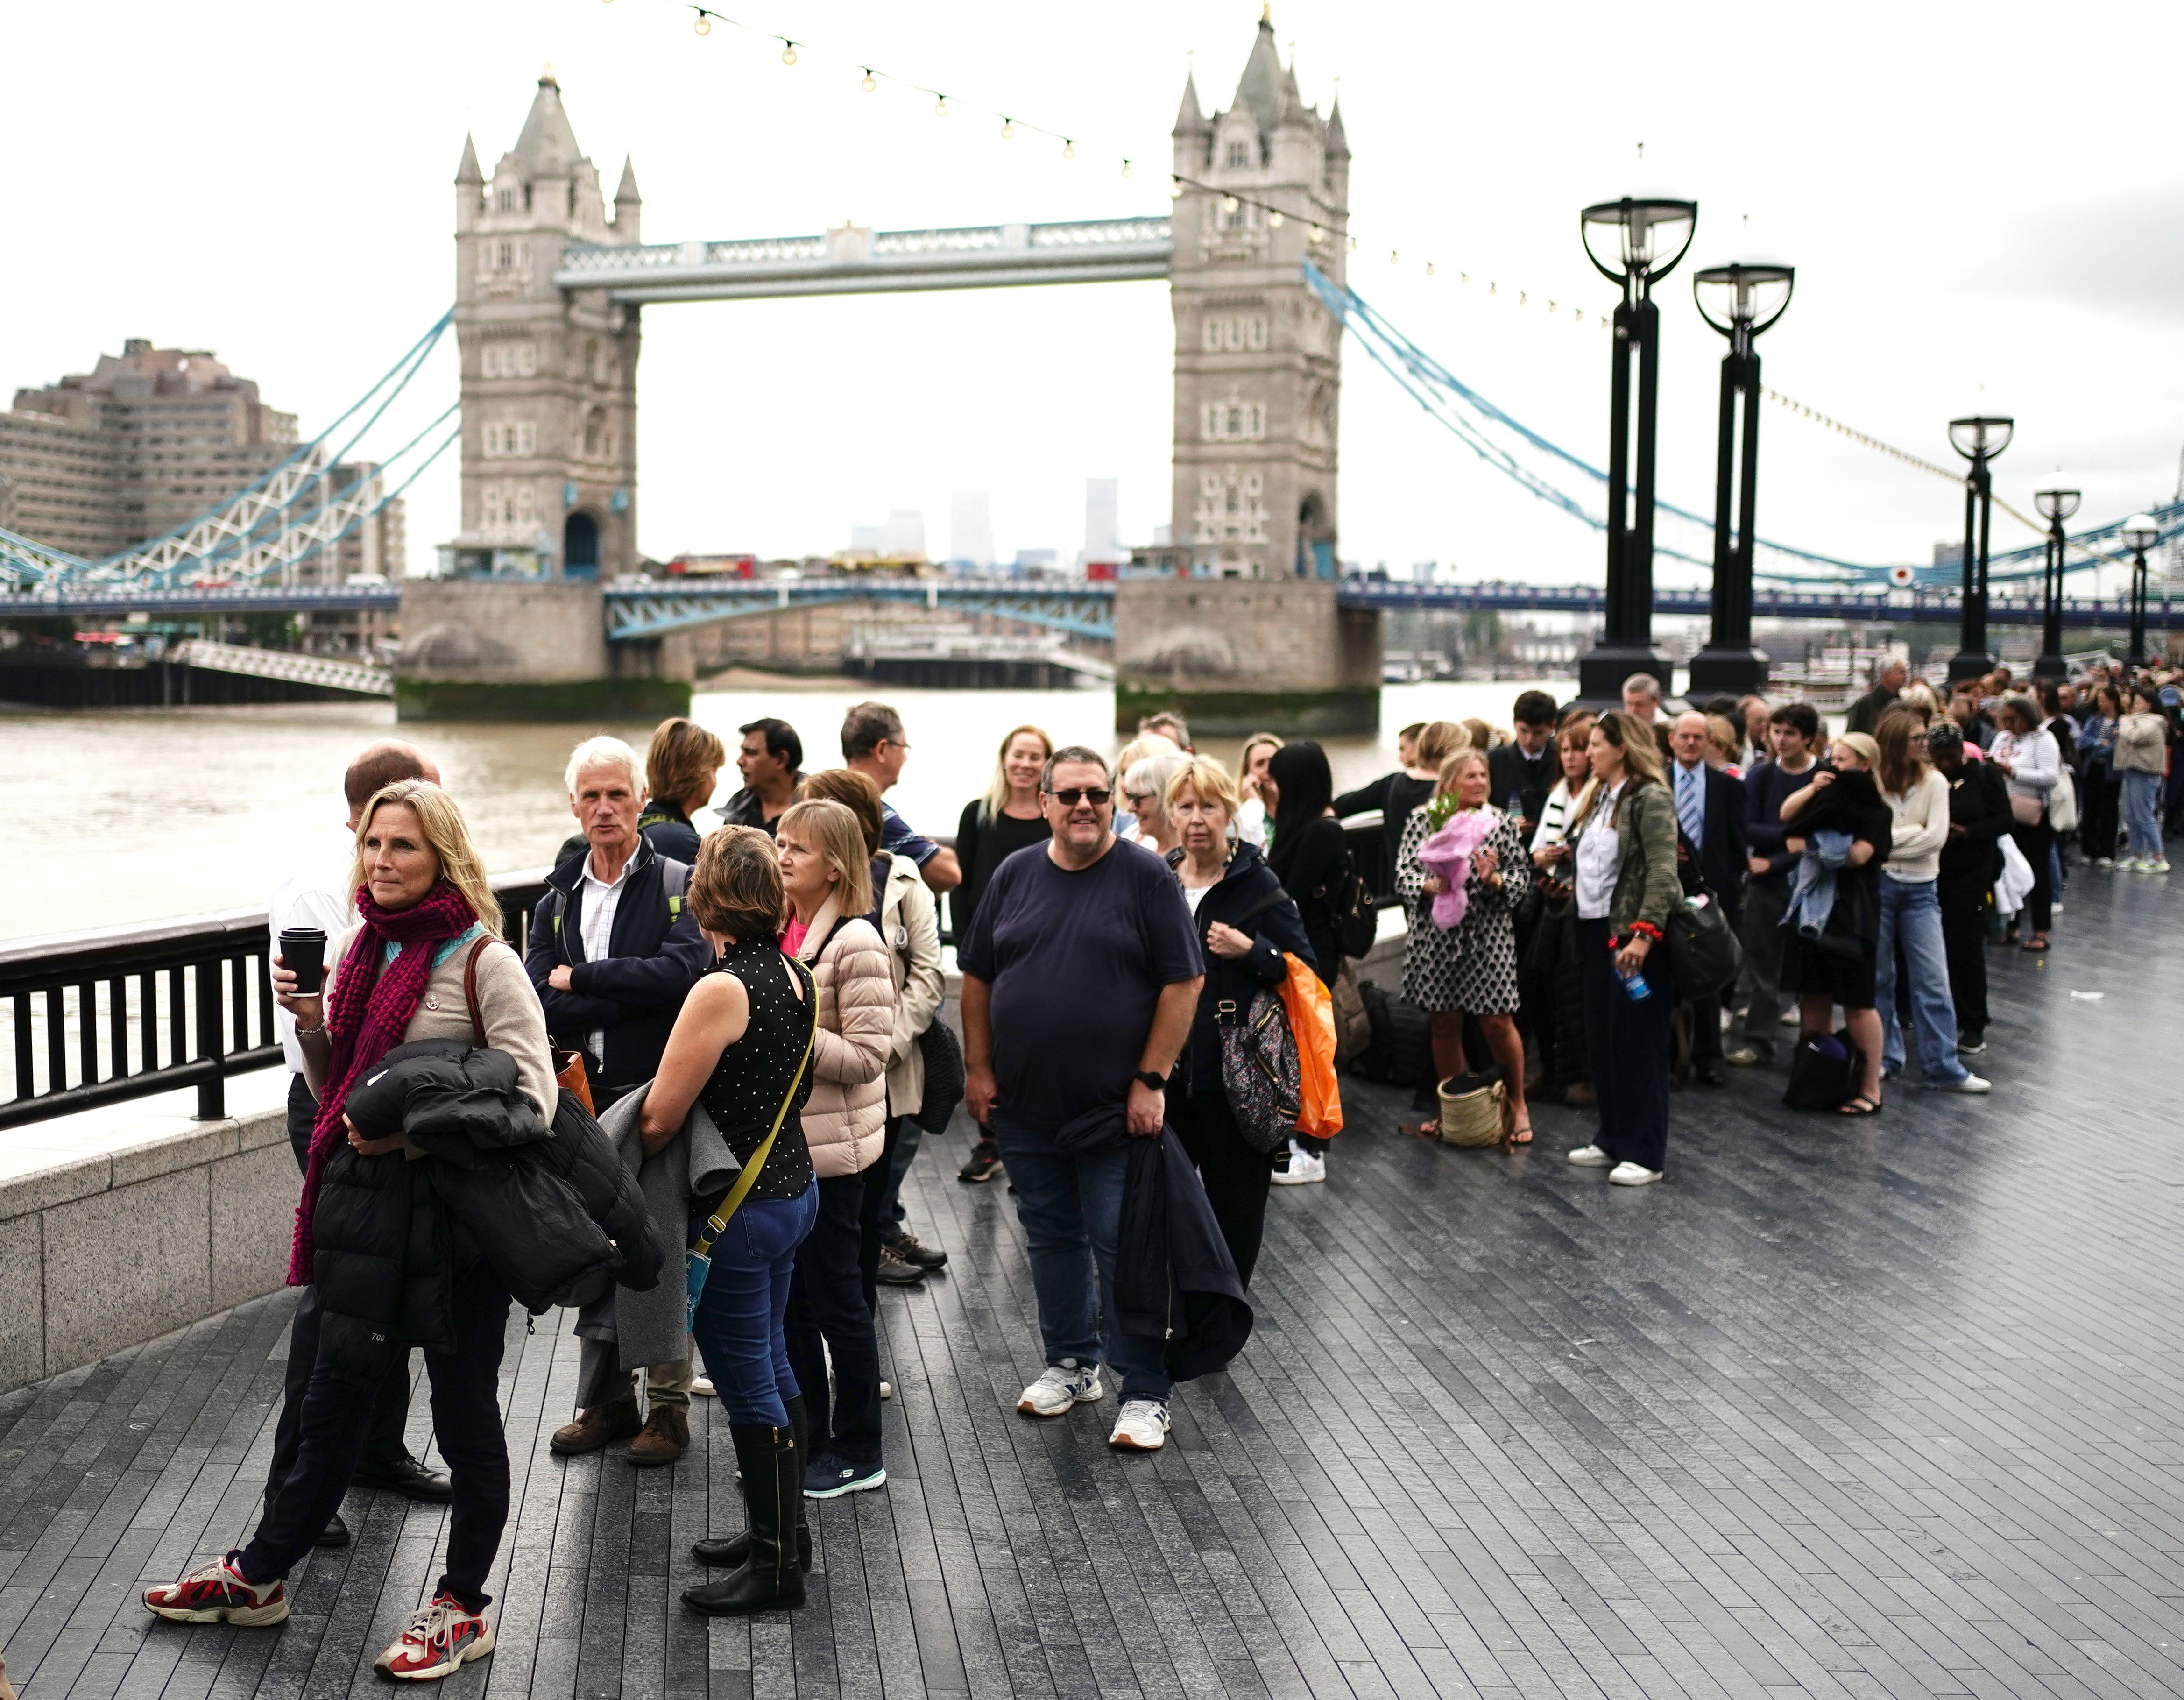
(752, 1009)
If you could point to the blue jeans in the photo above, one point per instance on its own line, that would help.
(1070, 1205)
(2141, 814)
(738, 1321)
(1911, 916)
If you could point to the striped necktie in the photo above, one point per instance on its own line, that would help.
(1690, 803)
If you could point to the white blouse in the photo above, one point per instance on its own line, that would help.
(1599, 848)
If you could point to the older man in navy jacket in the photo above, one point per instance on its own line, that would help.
(1710, 815)
(614, 950)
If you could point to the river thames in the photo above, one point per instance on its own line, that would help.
(165, 812)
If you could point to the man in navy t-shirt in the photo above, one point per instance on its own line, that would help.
(1080, 979)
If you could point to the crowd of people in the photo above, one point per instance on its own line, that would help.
(722, 1047)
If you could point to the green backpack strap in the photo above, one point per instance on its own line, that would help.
(718, 1224)
(675, 881)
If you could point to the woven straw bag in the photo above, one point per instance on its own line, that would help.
(1472, 1118)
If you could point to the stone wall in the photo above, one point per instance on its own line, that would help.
(482, 649)
(1236, 655)
(111, 1251)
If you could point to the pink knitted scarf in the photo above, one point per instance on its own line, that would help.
(366, 1014)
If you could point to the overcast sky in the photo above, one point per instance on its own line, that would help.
(1985, 206)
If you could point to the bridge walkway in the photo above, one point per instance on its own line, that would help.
(1879, 1409)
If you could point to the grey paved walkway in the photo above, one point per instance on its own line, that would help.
(1844, 1409)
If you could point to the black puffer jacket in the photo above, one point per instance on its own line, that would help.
(553, 1214)
(1246, 884)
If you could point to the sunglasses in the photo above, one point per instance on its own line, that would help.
(1098, 797)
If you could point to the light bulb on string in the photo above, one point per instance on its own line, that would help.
(1429, 269)
(1318, 235)
(703, 25)
(1394, 259)
(1125, 168)
(1230, 203)
(940, 107)
(1008, 130)
(1353, 245)
(789, 53)
(871, 81)
(1274, 220)
(1175, 188)
(1068, 148)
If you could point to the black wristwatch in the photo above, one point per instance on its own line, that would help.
(1145, 1077)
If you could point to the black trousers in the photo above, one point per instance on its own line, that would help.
(2035, 840)
(1630, 1045)
(1963, 946)
(828, 1316)
(383, 1442)
(2102, 809)
(1236, 1177)
(876, 1214)
(332, 1425)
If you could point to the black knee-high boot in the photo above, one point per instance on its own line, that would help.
(736, 1548)
(773, 1487)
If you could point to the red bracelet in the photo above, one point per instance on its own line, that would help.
(1648, 928)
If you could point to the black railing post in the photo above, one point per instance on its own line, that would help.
(212, 1093)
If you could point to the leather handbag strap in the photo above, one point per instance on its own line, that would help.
(717, 1224)
(470, 990)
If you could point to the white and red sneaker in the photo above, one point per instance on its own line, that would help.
(216, 1593)
(440, 1639)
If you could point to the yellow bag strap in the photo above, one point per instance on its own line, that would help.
(717, 1223)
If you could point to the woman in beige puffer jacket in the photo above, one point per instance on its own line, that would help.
(825, 877)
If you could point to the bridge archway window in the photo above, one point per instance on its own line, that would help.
(580, 546)
(1234, 335)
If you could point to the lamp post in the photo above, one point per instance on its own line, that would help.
(1747, 299)
(2140, 534)
(1979, 440)
(1649, 237)
(2055, 506)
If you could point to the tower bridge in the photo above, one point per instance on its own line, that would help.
(552, 282)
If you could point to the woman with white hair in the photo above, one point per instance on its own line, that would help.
(1145, 790)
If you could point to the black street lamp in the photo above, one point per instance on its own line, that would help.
(1650, 237)
(2055, 506)
(1979, 440)
(2140, 534)
(1746, 300)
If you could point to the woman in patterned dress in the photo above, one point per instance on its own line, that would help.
(1472, 968)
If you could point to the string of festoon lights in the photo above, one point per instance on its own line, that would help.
(1011, 125)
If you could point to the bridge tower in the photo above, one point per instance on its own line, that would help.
(549, 376)
(1257, 641)
(1257, 358)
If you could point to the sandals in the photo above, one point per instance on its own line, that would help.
(1519, 1136)
(1421, 1130)
(2034, 945)
(1859, 1106)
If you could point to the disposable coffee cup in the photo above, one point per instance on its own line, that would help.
(303, 954)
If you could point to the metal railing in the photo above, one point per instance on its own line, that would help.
(120, 1013)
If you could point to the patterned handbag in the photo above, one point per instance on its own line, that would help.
(1260, 1071)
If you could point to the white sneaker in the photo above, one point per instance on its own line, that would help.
(1062, 1388)
(704, 1388)
(1305, 1167)
(1629, 1174)
(1591, 1157)
(2104, 861)
(1142, 1427)
(2157, 868)
(1789, 1018)
(1970, 1084)
(887, 1390)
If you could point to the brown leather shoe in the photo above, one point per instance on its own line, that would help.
(595, 1429)
(663, 1439)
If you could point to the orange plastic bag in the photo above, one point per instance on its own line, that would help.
(1311, 1024)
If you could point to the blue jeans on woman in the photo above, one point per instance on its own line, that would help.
(1911, 917)
(2141, 814)
(738, 1321)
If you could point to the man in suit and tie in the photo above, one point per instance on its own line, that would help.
(1710, 815)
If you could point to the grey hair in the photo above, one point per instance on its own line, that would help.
(1644, 684)
(604, 752)
(1151, 773)
(1074, 753)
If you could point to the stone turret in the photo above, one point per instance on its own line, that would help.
(549, 378)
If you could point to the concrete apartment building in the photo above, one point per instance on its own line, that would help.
(148, 440)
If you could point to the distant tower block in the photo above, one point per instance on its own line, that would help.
(1257, 358)
(549, 378)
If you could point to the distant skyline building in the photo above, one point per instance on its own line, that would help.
(971, 528)
(903, 534)
(866, 539)
(1102, 523)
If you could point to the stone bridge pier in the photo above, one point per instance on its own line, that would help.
(1236, 655)
(529, 649)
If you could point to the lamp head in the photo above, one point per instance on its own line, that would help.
(2056, 504)
(2140, 533)
(1744, 297)
(1646, 236)
(1982, 437)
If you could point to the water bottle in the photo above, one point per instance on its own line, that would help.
(1516, 805)
(1634, 982)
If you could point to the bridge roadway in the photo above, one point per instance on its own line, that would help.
(652, 608)
(1868, 1410)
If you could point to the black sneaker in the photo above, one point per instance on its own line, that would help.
(1971, 1044)
(985, 1162)
(907, 1247)
(895, 1270)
